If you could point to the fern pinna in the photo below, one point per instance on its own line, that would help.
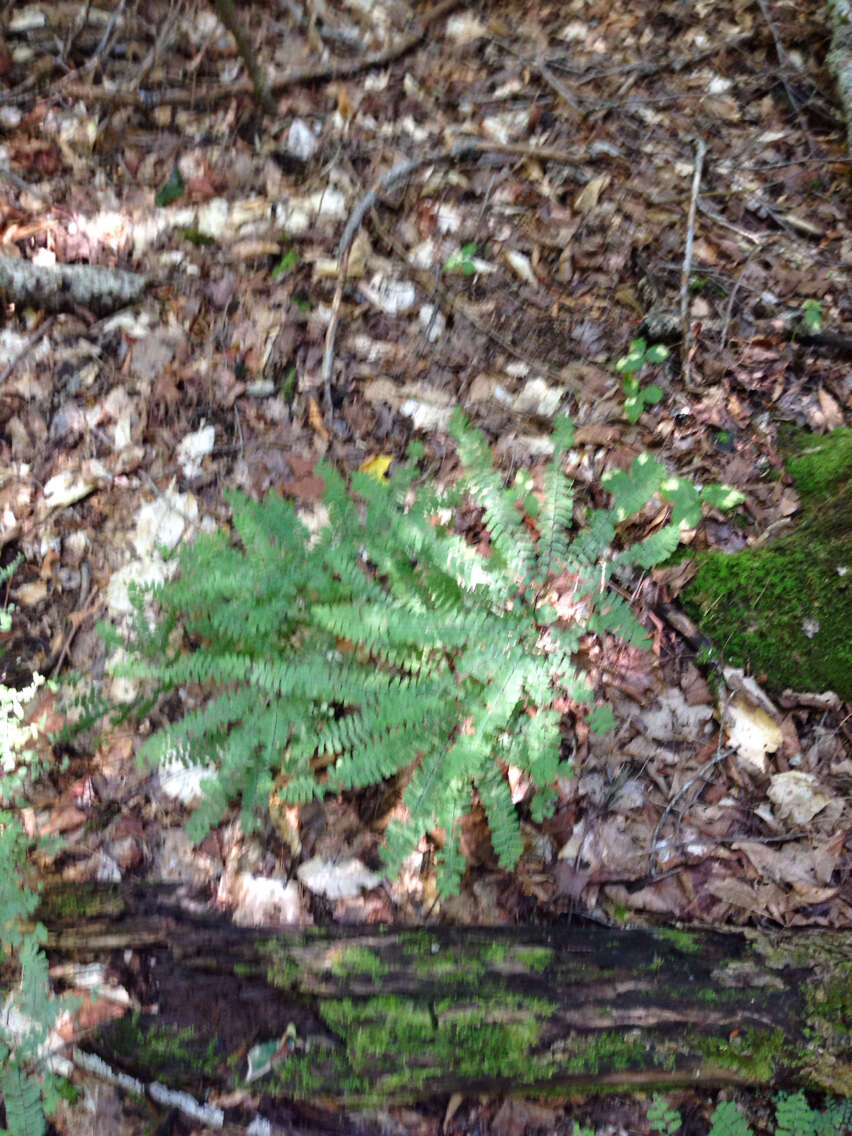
(387, 643)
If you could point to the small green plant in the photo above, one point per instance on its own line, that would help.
(285, 265)
(812, 315)
(386, 644)
(793, 1117)
(170, 190)
(662, 1117)
(631, 366)
(462, 261)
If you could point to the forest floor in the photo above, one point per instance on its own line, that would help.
(616, 143)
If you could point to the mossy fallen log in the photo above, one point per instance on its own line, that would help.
(383, 1014)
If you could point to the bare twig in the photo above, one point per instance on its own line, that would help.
(553, 81)
(10, 176)
(700, 151)
(784, 63)
(715, 215)
(74, 30)
(463, 148)
(701, 775)
(385, 184)
(228, 16)
(219, 92)
(163, 36)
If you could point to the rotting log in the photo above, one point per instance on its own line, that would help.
(388, 1014)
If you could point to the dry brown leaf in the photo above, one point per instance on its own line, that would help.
(588, 197)
(316, 419)
(833, 415)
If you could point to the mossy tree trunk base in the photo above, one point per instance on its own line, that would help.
(377, 1015)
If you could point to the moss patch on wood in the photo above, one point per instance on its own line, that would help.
(784, 610)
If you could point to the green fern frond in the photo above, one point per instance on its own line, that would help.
(556, 517)
(662, 1117)
(614, 615)
(504, 521)
(727, 1120)
(22, 1099)
(386, 642)
(653, 549)
(503, 821)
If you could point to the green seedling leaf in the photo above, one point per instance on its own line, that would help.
(721, 496)
(288, 386)
(656, 353)
(285, 265)
(462, 260)
(651, 393)
(171, 190)
(686, 501)
(601, 719)
(724, 439)
(634, 359)
(632, 491)
(633, 407)
(812, 313)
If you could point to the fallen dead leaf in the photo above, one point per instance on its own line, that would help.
(588, 197)
(751, 732)
(797, 795)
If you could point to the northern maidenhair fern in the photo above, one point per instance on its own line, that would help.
(388, 644)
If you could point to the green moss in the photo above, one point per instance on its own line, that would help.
(818, 463)
(85, 901)
(419, 944)
(683, 940)
(754, 1054)
(784, 610)
(533, 958)
(612, 1050)
(160, 1047)
(284, 972)
(303, 1076)
(494, 954)
(449, 968)
(397, 1046)
(352, 960)
(830, 1005)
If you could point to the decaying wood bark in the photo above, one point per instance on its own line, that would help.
(389, 1014)
(58, 287)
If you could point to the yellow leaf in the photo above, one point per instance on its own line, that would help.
(377, 466)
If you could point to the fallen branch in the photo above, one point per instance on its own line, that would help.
(686, 337)
(462, 148)
(220, 92)
(60, 287)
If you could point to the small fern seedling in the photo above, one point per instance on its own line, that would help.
(387, 644)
